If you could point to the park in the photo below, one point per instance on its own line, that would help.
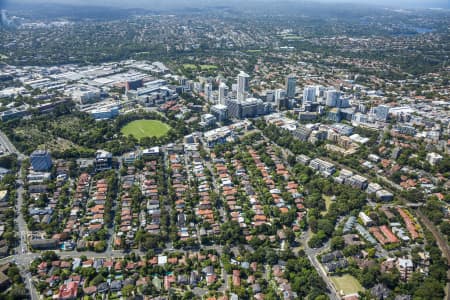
(145, 128)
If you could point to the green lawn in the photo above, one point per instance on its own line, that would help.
(254, 51)
(327, 204)
(291, 37)
(146, 128)
(190, 67)
(208, 67)
(347, 284)
(202, 67)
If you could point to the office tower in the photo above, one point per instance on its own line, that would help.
(332, 98)
(243, 86)
(343, 103)
(220, 111)
(208, 91)
(362, 107)
(270, 96)
(41, 160)
(280, 99)
(382, 112)
(134, 84)
(183, 82)
(309, 94)
(279, 94)
(320, 90)
(335, 115)
(249, 108)
(3, 18)
(291, 81)
(223, 93)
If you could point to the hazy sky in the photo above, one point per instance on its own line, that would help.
(157, 3)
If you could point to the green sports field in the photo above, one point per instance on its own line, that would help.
(208, 67)
(347, 284)
(145, 128)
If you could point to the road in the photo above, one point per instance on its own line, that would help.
(312, 256)
(22, 257)
(215, 183)
(6, 143)
(20, 221)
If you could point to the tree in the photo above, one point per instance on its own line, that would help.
(18, 292)
(100, 246)
(433, 210)
(326, 226)
(49, 256)
(317, 240)
(271, 257)
(337, 243)
(430, 289)
(390, 279)
(9, 237)
(147, 289)
(97, 280)
(128, 290)
(312, 221)
(88, 272)
(14, 274)
(445, 228)
(188, 295)
(369, 276)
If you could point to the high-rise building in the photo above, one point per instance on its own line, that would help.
(208, 91)
(220, 111)
(279, 95)
(382, 112)
(320, 90)
(243, 86)
(362, 108)
(134, 84)
(103, 161)
(223, 93)
(291, 82)
(309, 94)
(333, 97)
(280, 98)
(41, 160)
(270, 96)
(249, 108)
(183, 82)
(3, 18)
(335, 115)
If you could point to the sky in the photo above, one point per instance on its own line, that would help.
(192, 3)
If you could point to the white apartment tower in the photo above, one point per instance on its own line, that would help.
(223, 93)
(243, 80)
(309, 94)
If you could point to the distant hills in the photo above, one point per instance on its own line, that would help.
(116, 9)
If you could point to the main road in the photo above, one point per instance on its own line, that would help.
(22, 257)
(6, 143)
(312, 256)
